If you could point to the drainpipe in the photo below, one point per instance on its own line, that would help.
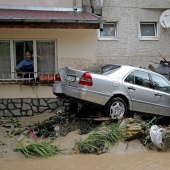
(74, 5)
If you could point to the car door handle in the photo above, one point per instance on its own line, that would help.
(158, 94)
(131, 88)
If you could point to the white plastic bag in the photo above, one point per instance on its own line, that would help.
(156, 136)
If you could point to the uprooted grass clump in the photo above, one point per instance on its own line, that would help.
(39, 149)
(100, 139)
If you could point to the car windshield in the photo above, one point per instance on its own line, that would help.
(102, 69)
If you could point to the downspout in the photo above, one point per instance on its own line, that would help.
(74, 5)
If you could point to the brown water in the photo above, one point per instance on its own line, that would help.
(150, 160)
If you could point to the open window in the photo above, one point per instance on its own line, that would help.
(20, 48)
(12, 52)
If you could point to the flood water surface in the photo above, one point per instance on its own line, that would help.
(149, 160)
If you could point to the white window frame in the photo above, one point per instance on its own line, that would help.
(116, 37)
(13, 57)
(157, 30)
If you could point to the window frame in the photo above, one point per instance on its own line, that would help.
(134, 79)
(154, 87)
(141, 77)
(13, 56)
(116, 37)
(156, 27)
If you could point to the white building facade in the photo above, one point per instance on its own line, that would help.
(132, 32)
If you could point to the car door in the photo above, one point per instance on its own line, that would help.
(138, 85)
(162, 95)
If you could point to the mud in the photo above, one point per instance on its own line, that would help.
(148, 160)
(128, 155)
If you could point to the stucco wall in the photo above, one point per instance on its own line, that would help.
(25, 91)
(74, 47)
(45, 3)
(154, 4)
(129, 49)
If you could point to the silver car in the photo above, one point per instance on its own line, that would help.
(119, 88)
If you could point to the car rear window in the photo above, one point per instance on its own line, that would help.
(102, 69)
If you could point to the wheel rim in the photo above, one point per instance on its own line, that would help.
(117, 109)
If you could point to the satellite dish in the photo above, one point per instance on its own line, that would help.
(165, 19)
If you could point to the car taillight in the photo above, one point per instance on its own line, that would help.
(86, 79)
(57, 77)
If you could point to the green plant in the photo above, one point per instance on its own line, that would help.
(43, 149)
(100, 139)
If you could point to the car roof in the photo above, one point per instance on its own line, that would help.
(138, 68)
(125, 69)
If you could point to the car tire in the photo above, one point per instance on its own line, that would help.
(116, 107)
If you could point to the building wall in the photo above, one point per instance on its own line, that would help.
(25, 91)
(74, 47)
(43, 3)
(154, 4)
(128, 49)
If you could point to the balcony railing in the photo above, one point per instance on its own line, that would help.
(32, 77)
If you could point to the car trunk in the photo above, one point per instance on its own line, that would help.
(70, 77)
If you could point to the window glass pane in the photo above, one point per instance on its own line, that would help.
(147, 29)
(102, 69)
(142, 78)
(130, 78)
(21, 48)
(5, 63)
(160, 84)
(108, 30)
(46, 56)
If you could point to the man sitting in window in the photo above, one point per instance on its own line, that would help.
(28, 65)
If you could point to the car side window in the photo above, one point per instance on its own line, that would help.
(142, 78)
(130, 78)
(160, 84)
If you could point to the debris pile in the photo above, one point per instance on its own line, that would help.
(157, 137)
(132, 127)
(53, 127)
(163, 67)
(100, 139)
(102, 135)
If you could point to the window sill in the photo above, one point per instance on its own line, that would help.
(107, 39)
(148, 39)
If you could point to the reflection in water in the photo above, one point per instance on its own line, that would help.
(149, 160)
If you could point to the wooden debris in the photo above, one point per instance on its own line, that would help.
(96, 118)
(152, 68)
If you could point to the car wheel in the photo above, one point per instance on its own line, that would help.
(117, 107)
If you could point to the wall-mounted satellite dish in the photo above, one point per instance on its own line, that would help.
(165, 19)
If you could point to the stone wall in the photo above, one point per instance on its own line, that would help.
(30, 106)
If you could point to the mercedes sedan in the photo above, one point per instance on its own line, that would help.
(119, 88)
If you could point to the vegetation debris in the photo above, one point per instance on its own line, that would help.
(39, 149)
(100, 139)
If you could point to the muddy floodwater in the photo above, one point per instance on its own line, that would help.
(149, 160)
